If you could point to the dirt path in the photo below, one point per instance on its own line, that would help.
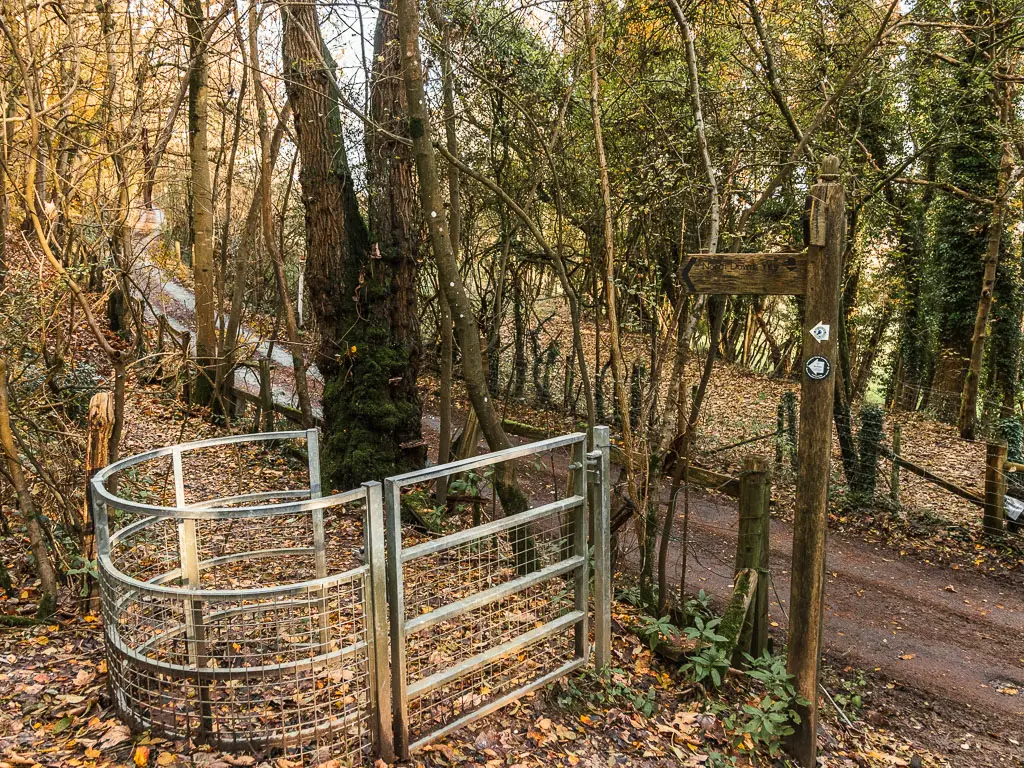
(954, 636)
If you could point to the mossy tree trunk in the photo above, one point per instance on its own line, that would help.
(869, 440)
(961, 226)
(1004, 350)
(362, 286)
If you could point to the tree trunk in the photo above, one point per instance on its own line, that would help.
(201, 205)
(229, 344)
(8, 105)
(513, 500)
(362, 291)
(455, 237)
(269, 240)
(608, 231)
(37, 541)
(968, 420)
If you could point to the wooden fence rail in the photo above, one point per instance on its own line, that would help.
(931, 477)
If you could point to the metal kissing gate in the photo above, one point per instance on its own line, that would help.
(247, 620)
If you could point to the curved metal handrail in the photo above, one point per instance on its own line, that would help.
(307, 586)
(150, 586)
(101, 493)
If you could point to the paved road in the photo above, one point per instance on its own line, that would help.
(177, 302)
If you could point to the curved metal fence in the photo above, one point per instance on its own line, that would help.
(283, 659)
(245, 610)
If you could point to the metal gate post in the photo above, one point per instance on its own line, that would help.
(600, 505)
(579, 488)
(319, 539)
(396, 616)
(315, 492)
(377, 628)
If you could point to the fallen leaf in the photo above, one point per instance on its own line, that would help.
(116, 735)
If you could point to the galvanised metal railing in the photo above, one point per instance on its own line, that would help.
(483, 616)
(292, 658)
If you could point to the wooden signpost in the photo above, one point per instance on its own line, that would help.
(739, 273)
(815, 274)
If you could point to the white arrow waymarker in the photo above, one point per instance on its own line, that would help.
(820, 332)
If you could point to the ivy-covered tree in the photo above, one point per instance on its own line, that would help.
(362, 284)
(960, 222)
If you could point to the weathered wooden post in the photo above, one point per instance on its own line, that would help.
(780, 435)
(995, 489)
(266, 397)
(186, 350)
(816, 274)
(161, 331)
(97, 456)
(821, 312)
(894, 482)
(752, 549)
(195, 617)
(789, 399)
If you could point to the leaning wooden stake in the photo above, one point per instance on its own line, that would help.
(824, 269)
(752, 550)
(995, 489)
(97, 456)
(37, 538)
(266, 397)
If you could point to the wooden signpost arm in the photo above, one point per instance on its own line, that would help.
(819, 366)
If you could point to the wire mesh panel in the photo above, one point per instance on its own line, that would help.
(242, 616)
(481, 616)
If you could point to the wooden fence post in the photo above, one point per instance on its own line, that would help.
(186, 351)
(97, 456)
(161, 330)
(894, 483)
(266, 396)
(752, 549)
(814, 451)
(780, 434)
(995, 489)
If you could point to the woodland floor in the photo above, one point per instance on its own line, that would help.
(54, 709)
